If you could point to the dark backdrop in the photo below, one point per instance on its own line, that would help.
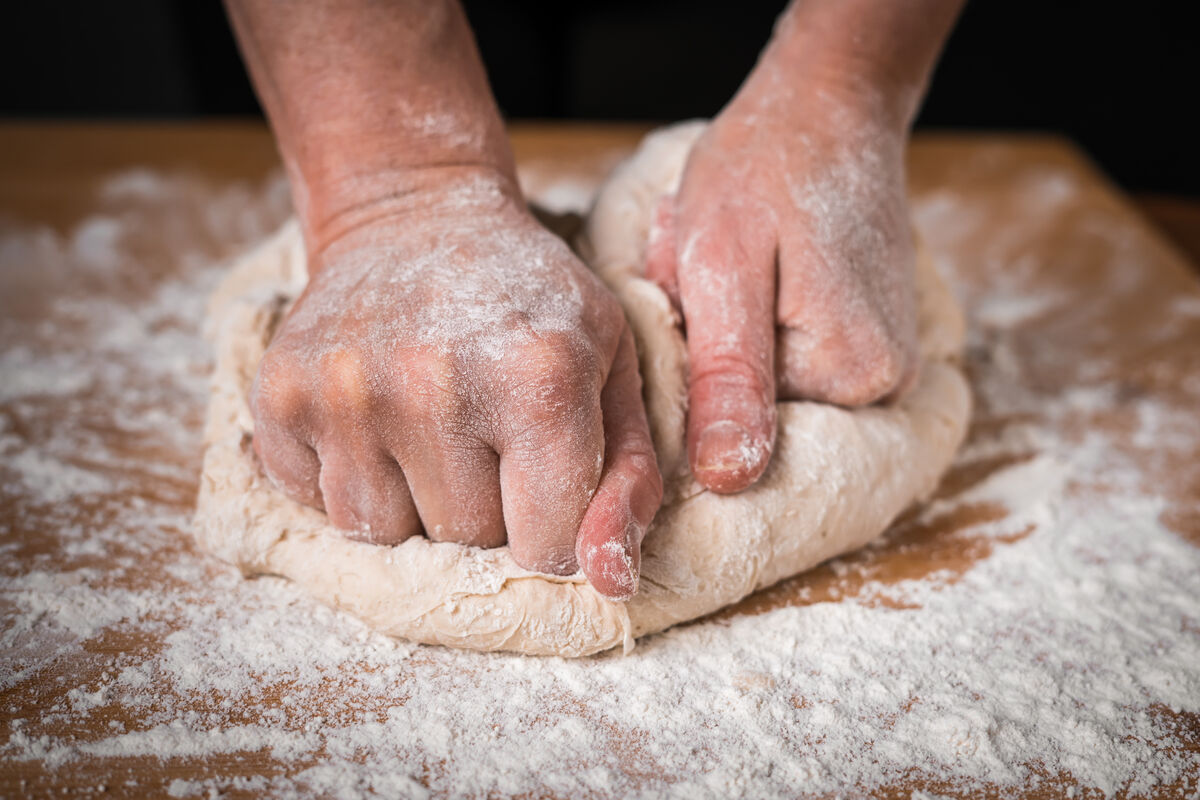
(1119, 78)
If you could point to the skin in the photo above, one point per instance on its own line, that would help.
(453, 370)
(788, 245)
(451, 367)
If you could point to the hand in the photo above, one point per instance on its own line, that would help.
(788, 244)
(453, 367)
(792, 260)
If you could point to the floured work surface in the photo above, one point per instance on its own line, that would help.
(1034, 629)
(837, 479)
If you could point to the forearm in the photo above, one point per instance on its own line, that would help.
(369, 101)
(883, 47)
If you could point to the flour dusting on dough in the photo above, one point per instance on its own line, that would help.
(1064, 657)
(854, 473)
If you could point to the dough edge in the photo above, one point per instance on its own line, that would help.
(837, 480)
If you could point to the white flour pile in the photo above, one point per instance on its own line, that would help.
(1067, 653)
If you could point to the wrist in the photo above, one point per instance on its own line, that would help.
(358, 207)
(870, 55)
(334, 200)
(371, 104)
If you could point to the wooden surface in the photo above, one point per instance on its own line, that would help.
(1177, 217)
(50, 174)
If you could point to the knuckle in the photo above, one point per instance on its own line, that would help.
(344, 379)
(281, 391)
(645, 466)
(733, 370)
(645, 463)
(553, 377)
(635, 476)
(867, 367)
(636, 452)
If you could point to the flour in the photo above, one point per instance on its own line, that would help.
(452, 311)
(1066, 648)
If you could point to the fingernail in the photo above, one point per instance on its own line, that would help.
(621, 564)
(634, 534)
(727, 454)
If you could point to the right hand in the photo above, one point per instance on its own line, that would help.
(452, 367)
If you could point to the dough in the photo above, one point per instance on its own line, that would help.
(837, 479)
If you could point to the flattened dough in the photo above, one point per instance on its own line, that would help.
(837, 479)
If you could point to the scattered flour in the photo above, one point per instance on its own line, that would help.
(1068, 650)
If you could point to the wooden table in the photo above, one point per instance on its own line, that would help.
(100, 462)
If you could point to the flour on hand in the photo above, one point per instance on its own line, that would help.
(837, 479)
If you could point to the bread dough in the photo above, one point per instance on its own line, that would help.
(837, 479)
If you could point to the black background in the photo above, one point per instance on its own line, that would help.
(1118, 78)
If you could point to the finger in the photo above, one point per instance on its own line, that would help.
(279, 403)
(290, 464)
(660, 249)
(367, 496)
(456, 488)
(837, 369)
(727, 287)
(608, 547)
(848, 327)
(548, 473)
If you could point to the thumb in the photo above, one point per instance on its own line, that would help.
(727, 287)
